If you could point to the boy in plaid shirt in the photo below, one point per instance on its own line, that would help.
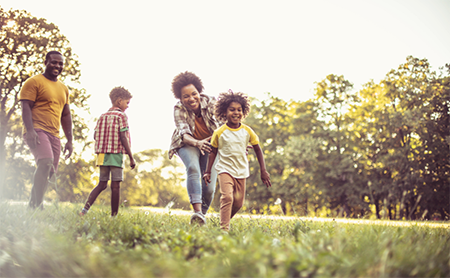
(112, 140)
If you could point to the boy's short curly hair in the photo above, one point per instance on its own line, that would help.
(225, 99)
(119, 92)
(184, 79)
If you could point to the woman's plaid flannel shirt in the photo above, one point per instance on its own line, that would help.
(185, 121)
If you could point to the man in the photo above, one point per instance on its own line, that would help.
(45, 107)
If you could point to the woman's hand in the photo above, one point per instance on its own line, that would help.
(203, 146)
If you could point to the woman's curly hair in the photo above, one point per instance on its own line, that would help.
(225, 99)
(184, 79)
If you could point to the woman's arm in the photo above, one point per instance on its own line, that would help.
(202, 145)
(181, 122)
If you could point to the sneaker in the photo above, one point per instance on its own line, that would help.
(198, 218)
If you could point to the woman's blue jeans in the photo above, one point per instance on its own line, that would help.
(198, 190)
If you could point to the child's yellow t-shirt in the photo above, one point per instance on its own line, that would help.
(232, 147)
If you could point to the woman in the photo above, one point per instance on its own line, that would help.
(194, 125)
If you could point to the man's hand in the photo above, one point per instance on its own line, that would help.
(68, 147)
(32, 138)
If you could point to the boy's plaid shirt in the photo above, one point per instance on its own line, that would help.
(185, 121)
(107, 131)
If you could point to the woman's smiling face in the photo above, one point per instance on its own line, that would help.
(190, 98)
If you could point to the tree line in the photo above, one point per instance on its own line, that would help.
(382, 150)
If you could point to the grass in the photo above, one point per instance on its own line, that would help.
(57, 242)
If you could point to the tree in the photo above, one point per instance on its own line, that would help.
(271, 120)
(24, 41)
(436, 151)
(402, 123)
(288, 133)
(302, 173)
(334, 93)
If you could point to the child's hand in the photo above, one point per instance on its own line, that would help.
(265, 177)
(249, 147)
(132, 163)
(207, 178)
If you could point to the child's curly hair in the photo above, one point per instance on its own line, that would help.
(119, 92)
(225, 99)
(184, 79)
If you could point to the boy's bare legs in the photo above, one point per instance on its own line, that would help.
(102, 185)
(232, 198)
(40, 182)
(115, 197)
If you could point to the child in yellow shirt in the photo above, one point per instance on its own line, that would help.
(230, 142)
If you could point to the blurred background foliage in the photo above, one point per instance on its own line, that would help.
(380, 152)
(383, 150)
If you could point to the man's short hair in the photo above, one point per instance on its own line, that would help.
(51, 53)
(119, 92)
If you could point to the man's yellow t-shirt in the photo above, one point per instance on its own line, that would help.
(49, 99)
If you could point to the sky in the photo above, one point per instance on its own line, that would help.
(281, 47)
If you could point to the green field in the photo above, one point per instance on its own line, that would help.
(57, 242)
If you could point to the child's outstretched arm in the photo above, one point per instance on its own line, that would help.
(211, 158)
(124, 141)
(265, 177)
